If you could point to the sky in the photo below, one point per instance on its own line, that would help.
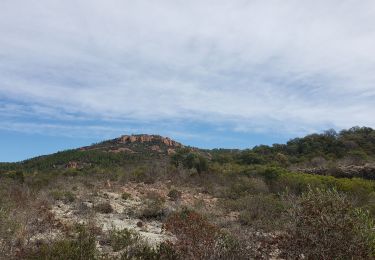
(208, 73)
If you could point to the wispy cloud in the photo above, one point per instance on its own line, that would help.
(252, 66)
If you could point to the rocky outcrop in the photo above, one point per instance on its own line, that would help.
(156, 148)
(128, 139)
(149, 138)
(171, 151)
(72, 165)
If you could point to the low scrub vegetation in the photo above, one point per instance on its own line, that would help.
(197, 238)
(153, 206)
(66, 196)
(174, 194)
(104, 208)
(324, 224)
(220, 204)
(80, 246)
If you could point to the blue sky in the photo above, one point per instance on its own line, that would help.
(207, 73)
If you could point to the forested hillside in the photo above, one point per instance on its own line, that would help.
(329, 153)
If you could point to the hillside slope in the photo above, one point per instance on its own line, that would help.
(148, 197)
(349, 153)
(124, 150)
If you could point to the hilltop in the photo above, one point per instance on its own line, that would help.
(141, 143)
(124, 150)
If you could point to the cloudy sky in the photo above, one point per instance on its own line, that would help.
(208, 73)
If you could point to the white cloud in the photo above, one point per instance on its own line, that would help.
(254, 65)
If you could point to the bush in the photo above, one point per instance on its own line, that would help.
(325, 225)
(190, 160)
(141, 250)
(104, 208)
(18, 176)
(80, 248)
(154, 206)
(8, 228)
(196, 237)
(134, 247)
(199, 239)
(271, 174)
(41, 180)
(262, 211)
(65, 196)
(174, 194)
(120, 239)
(244, 186)
(143, 174)
(125, 195)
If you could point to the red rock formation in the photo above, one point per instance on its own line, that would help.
(149, 138)
(128, 139)
(171, 151)
(72, 165)
(145, 138)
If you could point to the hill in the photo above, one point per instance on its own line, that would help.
(150, 197)
(127, 149)
(349, 153)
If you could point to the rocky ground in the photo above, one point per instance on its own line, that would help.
(126, 211)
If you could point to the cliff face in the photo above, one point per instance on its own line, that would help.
(149, 138)
(137, 144)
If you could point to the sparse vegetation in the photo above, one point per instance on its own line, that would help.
(66, 196)
(252, 204)
(81, 246)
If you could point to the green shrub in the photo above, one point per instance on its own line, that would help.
(143, 174)
(261, 211)
(8, 229)
(120, 239)
(199, 239)
(40, 180)
(154, 206)
(141, 250)
(71, 172)
(271, 174)
(134, 247)
(298, 183)
(174, 194)
(125, 195)
(325, 225)
(66, 196)
(18, 176)
(190, 160)
(104, 208)
(82, 247)
(244, 186)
